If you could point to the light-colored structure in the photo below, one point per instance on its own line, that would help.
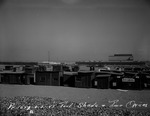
(121, 57)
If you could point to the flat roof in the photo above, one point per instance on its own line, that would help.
(102, 75)
(11, 72)
(85, 71)
(70, 73)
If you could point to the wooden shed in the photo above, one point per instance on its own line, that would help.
(47, 78)
(84, 79)
(9, 77)
(69, 79)
(115, 80)
(145, 80)
(131, 81)
(101, 81)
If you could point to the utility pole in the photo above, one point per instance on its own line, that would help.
(48, 56)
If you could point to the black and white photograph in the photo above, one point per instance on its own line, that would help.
(74, 57)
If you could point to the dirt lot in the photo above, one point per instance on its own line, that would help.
(131, 99)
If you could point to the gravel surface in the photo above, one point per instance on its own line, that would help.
(45, 106)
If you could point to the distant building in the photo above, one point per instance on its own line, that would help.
(7, 67)
(121, 57)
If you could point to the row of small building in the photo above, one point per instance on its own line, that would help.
(82, 79)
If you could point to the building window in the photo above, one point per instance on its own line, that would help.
(114, 84)
(95, 83)
(118, 76)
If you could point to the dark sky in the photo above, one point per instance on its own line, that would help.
(73, 30)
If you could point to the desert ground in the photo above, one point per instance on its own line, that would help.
(130, 99)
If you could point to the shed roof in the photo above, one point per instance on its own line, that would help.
(70, 73)
(102, 75)
(11, 72)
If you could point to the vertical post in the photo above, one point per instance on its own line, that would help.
(48, 56)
